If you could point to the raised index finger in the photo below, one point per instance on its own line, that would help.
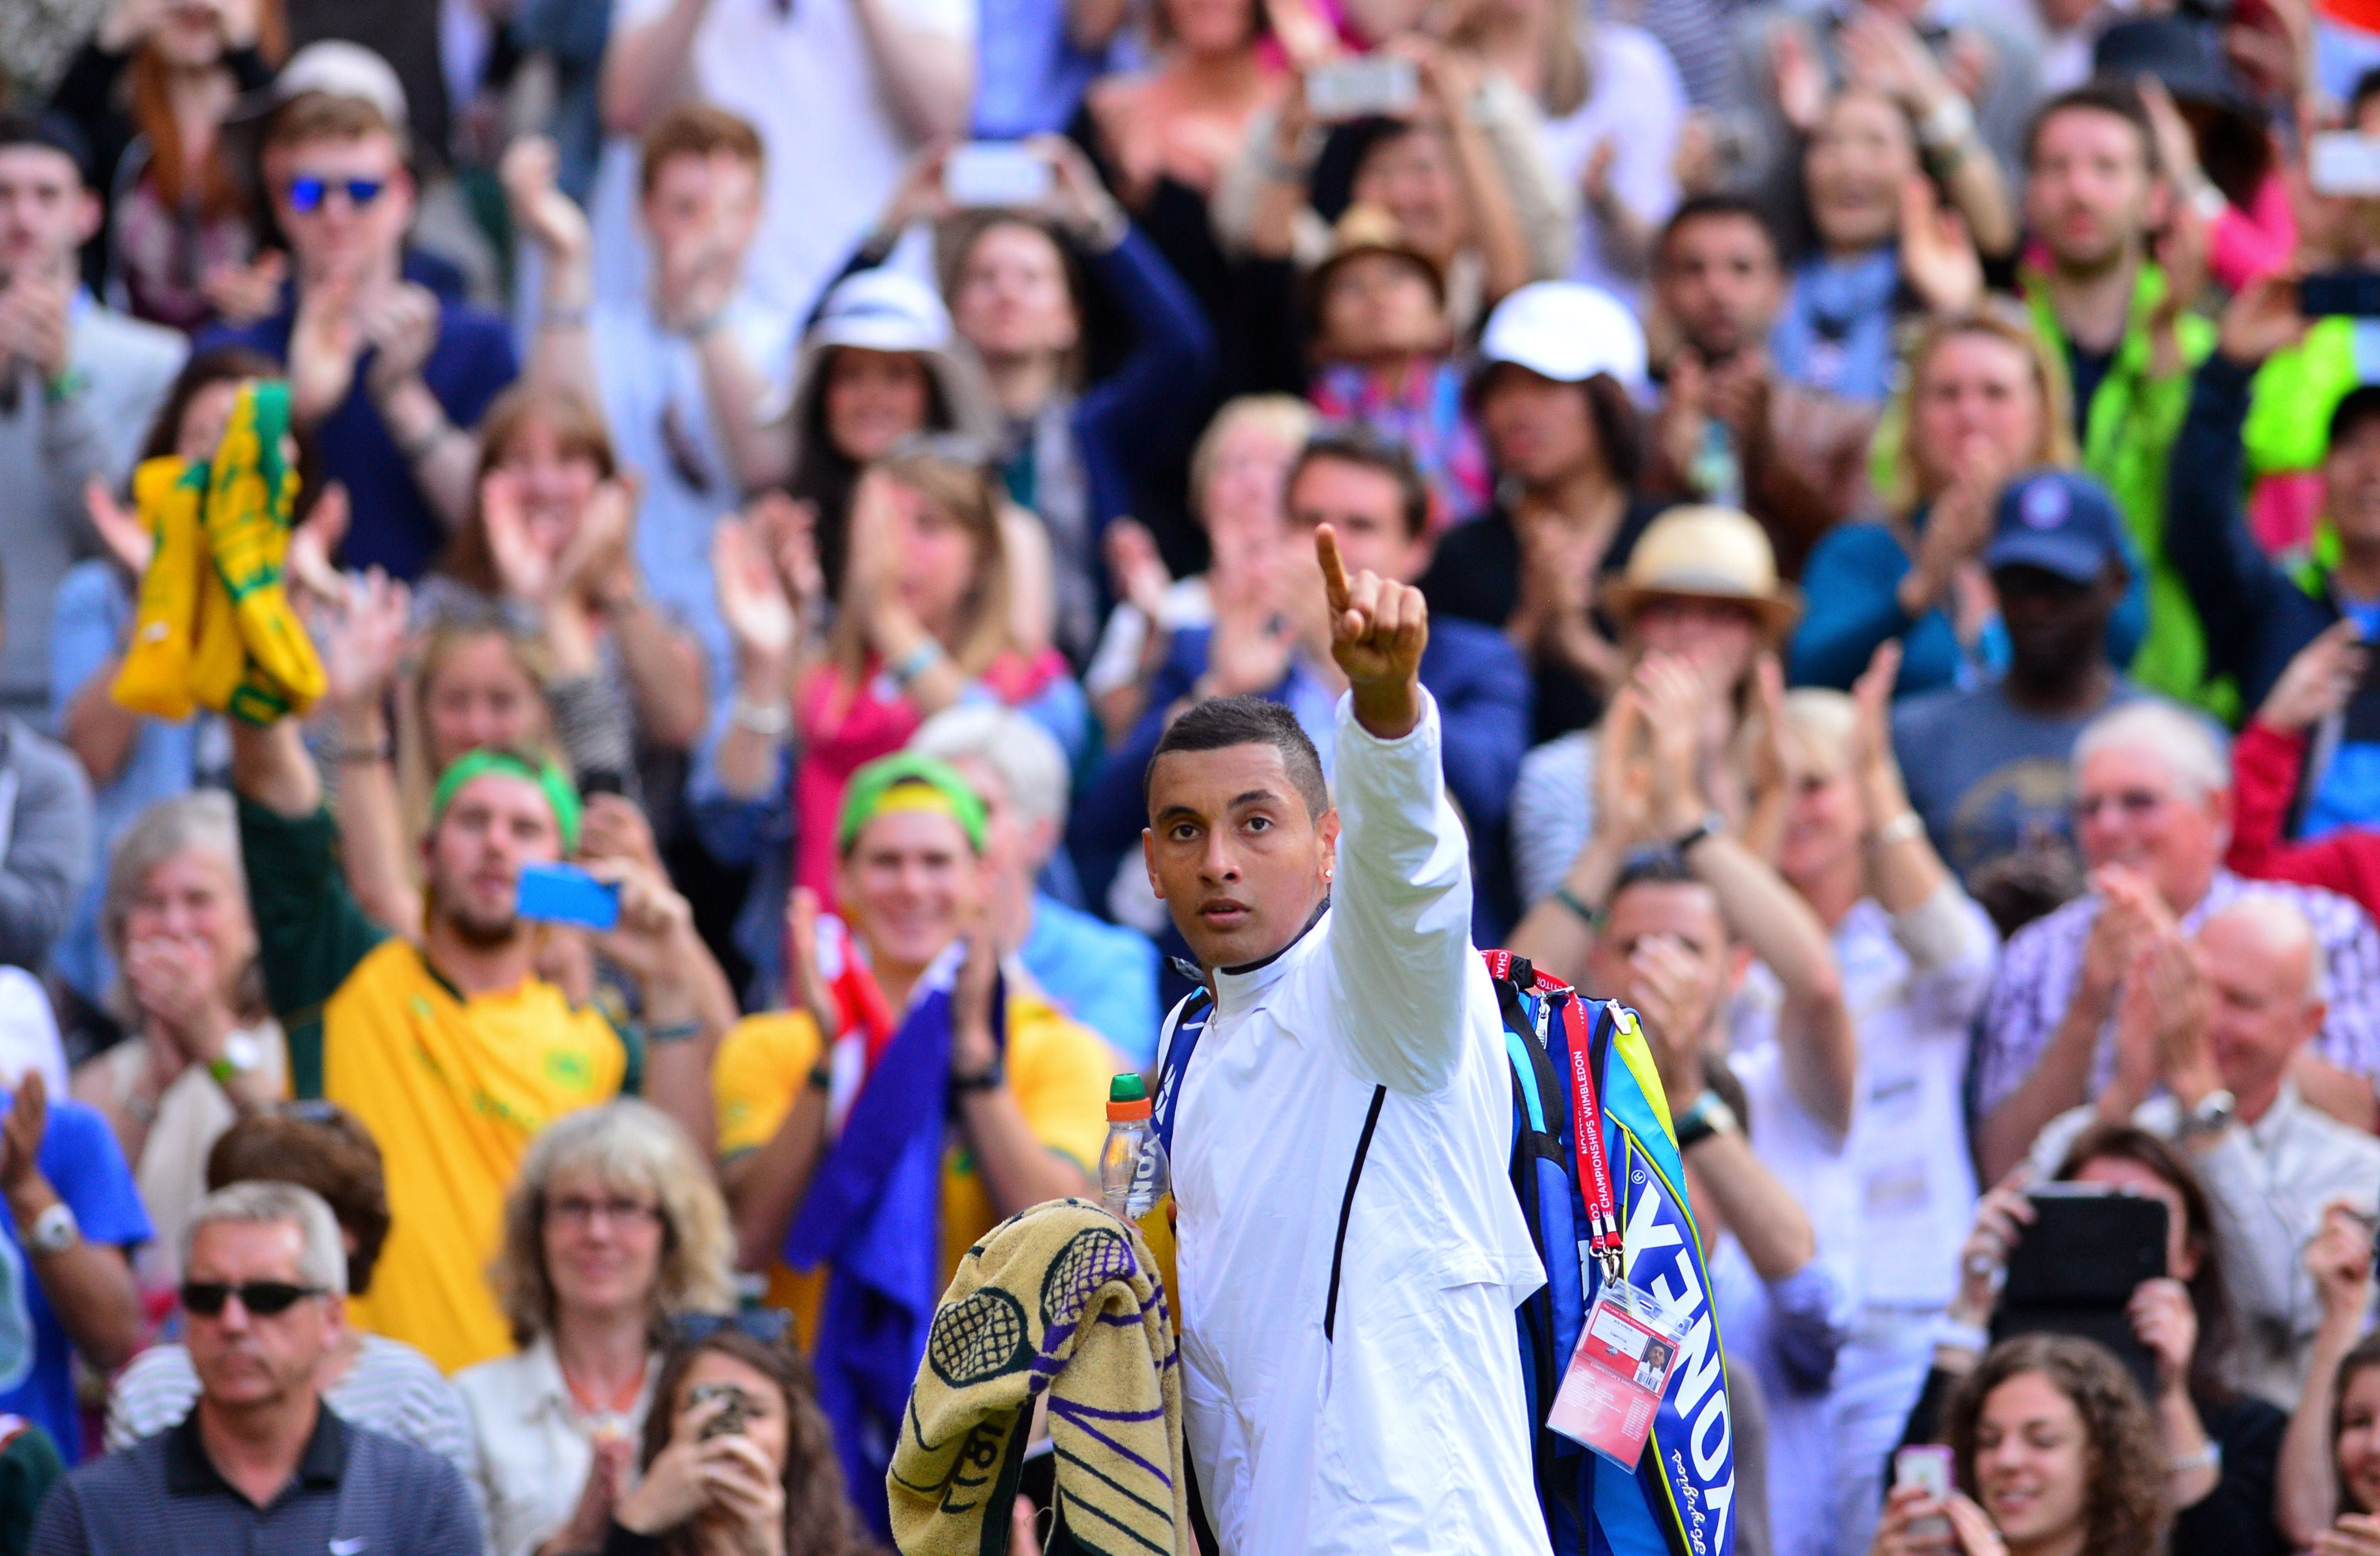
(1334, 572)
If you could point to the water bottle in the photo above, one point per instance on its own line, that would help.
(1134, 1175)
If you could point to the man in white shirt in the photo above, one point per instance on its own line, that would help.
(2211, 1025)
(1350, 1249)
(841, 90)
(675, 370)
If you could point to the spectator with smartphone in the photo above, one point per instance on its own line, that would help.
(2329, 1494)
(2053, 1450)
(2212, 1026)
(1079, 453)
(675, 373)
(370, 1379)
(469, 995)
(770, 1482)
(1452, 148)
(1163, 138)
(2152, 806)
(612, 1230)
(260, 1461)
(2276, 608)
(1730, 429)
(2219, 1443)
(394, 430)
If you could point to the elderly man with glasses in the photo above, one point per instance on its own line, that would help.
(259, 1464)
(2153, 815)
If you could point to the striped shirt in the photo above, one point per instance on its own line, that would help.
(392, 1389)
(355, 1491)
(2044, 962)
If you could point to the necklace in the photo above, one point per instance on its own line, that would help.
(606, 1415)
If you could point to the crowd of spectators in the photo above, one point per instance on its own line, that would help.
(1897, 486)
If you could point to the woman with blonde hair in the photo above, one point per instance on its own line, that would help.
(1982, 402)
(923, 622)
(1239, 468)
(1917, 956)
(613, 1231)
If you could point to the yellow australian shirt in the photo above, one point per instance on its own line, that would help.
(1057, 1069)
(452, 1088)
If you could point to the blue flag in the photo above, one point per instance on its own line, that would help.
(874, 1216)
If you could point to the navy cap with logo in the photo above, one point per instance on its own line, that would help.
(2060, 521)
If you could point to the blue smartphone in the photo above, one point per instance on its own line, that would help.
(566, 895)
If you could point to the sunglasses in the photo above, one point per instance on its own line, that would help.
(2133, 804)
(307, 191)
(265, 1299)
(767, 1325)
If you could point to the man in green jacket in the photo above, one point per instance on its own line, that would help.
(2120, 326)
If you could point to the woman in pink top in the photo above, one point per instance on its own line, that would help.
(923, 622)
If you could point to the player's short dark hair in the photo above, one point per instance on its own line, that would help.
(2102, 96)
(1352, 444)
(1222, 722)
(1718, 206)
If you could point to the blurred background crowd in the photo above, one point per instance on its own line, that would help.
(1897, 484)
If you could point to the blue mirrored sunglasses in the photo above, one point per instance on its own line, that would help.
(307, 192)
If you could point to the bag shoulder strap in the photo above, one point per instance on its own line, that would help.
(1174, 1045)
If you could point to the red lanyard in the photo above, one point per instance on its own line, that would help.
(1604, 1236)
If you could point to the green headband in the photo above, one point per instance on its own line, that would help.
(884, 783)
(544, 774)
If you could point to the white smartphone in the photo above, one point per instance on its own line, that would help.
(1928, 1466)
(2341, 163)
(995, 173)
(1384, 85)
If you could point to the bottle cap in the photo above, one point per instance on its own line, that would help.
(1127, 1100)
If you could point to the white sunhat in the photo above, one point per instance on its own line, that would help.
(883, 310)
(1565, 331)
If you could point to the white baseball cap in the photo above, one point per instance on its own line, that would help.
(1565, 331)
(882, 309)
(334, 67)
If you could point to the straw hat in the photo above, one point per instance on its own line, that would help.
(1367, 228)
(1706, 552)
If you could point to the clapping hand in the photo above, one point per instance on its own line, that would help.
(1673, 993)
(2339, 1260)
(363, 638)
(401, 325)
(21, 1133)
(540, 211)
(752, 597)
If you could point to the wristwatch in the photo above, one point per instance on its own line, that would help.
(2212, 1116)
(1709, 1115)
(241, 1055)
(1711, 825)
(986, 1079)
(54, 1230)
